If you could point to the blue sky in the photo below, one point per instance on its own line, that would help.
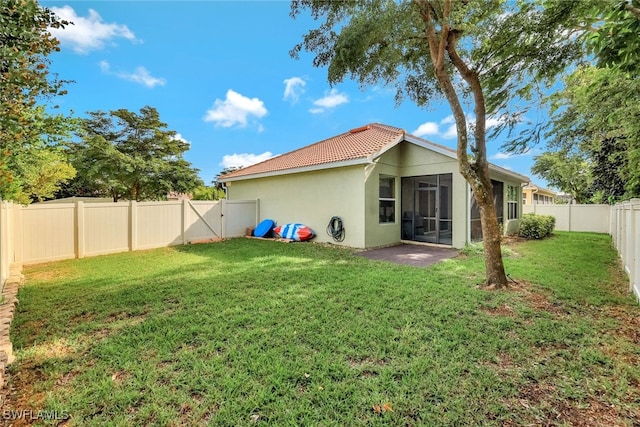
(219, 73)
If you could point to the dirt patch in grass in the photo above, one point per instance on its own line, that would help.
(529, 295)
(628, 321)
(23, 393)
(361, 363)
(503, 310)
(541, 402)
(46, 273)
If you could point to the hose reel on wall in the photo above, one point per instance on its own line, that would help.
(335, 229)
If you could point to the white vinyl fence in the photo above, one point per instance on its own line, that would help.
(625, 230)
(48, 232)
(594, 218)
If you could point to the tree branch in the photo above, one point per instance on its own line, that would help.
(634, 10)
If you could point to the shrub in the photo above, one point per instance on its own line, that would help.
(534, 226)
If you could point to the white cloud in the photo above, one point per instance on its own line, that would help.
(428, 128)
(329, 101)
(501, 156)
(235, 110)
(244, 159)
(294, 87)
(87, 33)
(179, 137)
(140, 75)
(505, 156)
(448, 120)
(451, 132)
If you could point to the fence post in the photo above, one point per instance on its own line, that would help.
(223, 213)
(133, 225)
(4, 267)
(185, 212)
(569, 216)
(16, 234)
(80, 234)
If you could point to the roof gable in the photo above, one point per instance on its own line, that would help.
(357, 144)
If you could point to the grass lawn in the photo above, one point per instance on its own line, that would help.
(247, 332)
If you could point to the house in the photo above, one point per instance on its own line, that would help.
(387, 186)
(535, 195)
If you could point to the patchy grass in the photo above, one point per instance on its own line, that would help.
(247, 332)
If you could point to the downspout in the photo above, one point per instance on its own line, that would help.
(225, 189)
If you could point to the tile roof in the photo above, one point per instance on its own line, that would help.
(358, 143)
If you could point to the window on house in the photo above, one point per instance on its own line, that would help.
(512, 202)
(387, 200)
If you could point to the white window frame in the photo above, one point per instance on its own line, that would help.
(392, 218)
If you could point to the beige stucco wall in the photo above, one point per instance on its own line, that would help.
(310, 198)
(405, 160)
(509, 226)
(352, 193)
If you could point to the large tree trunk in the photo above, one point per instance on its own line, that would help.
(442, 45)
(491, 235)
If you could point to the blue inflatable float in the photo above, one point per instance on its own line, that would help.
(265, 228)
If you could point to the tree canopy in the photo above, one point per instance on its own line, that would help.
(32, 162)
(595, 122)
(485, 53)
(123, 154)
(615, 36)
(595, 117)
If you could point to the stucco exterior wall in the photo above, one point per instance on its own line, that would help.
(406, 160)
(510, 226)
(311, 198)
(352, 193)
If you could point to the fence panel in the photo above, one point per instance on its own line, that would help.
(6, 240)
(635, 267)
(47, 232)
(625, 230)
(238, 215)
(204, 220)
(105, 229)
(158, 224)
(593, 218)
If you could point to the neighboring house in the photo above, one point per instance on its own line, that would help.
(387, 186)
(535, 195)
(174, 195)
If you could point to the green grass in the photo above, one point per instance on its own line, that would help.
(246, 332)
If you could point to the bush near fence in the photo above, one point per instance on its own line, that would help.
(533, 226)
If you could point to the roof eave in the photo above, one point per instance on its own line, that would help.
(312, 168)
(430, 146)
(518, 177)
(387, 147)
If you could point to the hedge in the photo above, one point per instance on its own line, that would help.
(534, 226)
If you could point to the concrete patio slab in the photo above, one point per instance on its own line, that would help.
(415, 255)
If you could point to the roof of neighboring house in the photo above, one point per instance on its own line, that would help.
(357, 146)
(538, 189)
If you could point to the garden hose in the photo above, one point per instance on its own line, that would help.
(335, 229)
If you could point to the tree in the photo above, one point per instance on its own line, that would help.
(484, 52)
(595, 118)
(614, 37)
(127, 155)
(568, 171)
(205, 192)
(29, 135)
